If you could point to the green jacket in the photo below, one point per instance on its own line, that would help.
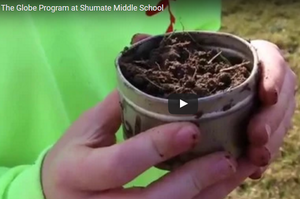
(53, 66)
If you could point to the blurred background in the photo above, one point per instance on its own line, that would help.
(278, 22)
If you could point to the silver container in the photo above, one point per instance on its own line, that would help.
(222, 118)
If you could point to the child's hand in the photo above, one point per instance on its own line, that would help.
(87, 164)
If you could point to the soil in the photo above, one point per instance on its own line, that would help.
(180, 65)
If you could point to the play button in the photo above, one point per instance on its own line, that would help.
(183, 104)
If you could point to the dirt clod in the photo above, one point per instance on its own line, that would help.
(180, 65)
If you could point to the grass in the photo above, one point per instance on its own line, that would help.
(276, 21)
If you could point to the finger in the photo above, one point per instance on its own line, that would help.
(107, 114)
(131, 193)
(261, 155)
(138, 37)
(273, 70)
(263, 124)
(259, 172)
(190, 179)
(221, 189)
(111, 167)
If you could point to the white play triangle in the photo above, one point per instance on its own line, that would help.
(182, 103)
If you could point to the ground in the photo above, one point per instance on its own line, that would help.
(276, 21)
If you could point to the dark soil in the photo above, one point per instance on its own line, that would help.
(180, 65)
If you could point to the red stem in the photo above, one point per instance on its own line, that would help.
(165, 4)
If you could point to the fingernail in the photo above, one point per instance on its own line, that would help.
(266, 157)
(268, 131)
(188, 135)
(226, 166)
(256, 176)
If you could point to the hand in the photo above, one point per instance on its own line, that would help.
(267, 128)
(277, 93)
(87, 164)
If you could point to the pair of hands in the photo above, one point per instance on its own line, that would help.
(86, 163)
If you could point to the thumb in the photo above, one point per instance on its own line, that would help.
(103, 119)
(96, 127)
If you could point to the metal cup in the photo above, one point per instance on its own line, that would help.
(222, 118)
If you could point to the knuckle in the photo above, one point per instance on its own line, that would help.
(109, 164)
(156, 147)
(262, 42)
(282, 62)
(293, 77)
(196, 182)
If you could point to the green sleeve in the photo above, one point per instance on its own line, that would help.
(22, 181)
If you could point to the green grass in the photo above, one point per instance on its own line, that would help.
(276, 21)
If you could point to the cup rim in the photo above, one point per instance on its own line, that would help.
(201, 99)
